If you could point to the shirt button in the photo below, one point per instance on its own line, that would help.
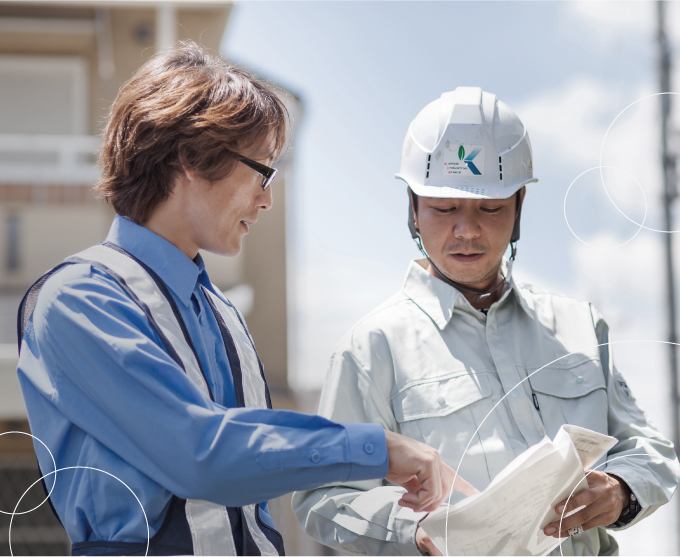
(315, 457)
(368, 448)
(579, 379)
(491, 328)
(441, 400)
(514, 394)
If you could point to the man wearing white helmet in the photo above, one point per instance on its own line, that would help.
(434, 360)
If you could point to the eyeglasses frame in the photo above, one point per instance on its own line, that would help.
(263, 170)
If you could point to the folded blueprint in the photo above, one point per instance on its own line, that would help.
(508, 517)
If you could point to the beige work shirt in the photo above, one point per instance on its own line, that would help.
(427, 365)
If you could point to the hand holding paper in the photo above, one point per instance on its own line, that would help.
(600, 505)
(508, 517)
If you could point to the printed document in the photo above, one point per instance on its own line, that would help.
(508, 517)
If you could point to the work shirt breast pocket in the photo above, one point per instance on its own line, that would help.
(441, 412)
(574, 392)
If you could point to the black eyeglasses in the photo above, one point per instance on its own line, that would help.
(266, 172)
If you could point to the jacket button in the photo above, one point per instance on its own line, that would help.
(368, 448)
(579, 379)
(514, 394)
(315, 457)
(441, 400)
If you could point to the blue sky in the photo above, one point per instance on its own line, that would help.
(365, 69)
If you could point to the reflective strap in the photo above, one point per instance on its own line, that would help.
(253, 393)
(209, 523)
(146, 290)
(264, 545)
(204, 516)
(253, 382)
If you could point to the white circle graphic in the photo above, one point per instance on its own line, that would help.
(474, 434)
(54, 464)
(604, 139)
(148, 536)
(576, 486)
(640, 226)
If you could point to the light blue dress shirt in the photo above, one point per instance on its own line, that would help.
(102, 392)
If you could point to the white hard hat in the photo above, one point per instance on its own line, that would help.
(466, 144)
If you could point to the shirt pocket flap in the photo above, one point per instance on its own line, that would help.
(567, 381)
(441, 397)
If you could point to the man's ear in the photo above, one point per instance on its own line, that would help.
(190, 174)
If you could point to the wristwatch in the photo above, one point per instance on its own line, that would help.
(628, 513)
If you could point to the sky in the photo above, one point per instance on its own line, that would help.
(363, 70)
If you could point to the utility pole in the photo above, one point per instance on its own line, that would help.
(669, 195)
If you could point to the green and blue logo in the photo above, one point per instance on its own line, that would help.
(468, 160)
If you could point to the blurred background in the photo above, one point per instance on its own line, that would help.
(336, 244)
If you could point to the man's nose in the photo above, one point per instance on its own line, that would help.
(466, 226)
(265, 199)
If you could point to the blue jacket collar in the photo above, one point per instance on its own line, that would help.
(173, 267)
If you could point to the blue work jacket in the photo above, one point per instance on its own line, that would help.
(103, 393)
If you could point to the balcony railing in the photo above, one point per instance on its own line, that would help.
(48, 159)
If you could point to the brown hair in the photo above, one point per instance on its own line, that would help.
(183, 109)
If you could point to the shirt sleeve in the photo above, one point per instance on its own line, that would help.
(92, 353)
(360, 517)
(643, 458)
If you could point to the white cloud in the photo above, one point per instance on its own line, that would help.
(605, 24)
(614, 17)
(571, 122)
(570, 127)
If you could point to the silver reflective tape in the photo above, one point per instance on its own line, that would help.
(254, 396)
(146, 290)
(209, 522)
(263, 544)
(253, 383)
(205, 518)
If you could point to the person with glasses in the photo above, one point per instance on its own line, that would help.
(140, 376)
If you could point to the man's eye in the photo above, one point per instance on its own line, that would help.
(491, 209)
(444, 209)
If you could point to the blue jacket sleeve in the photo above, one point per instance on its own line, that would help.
(94, 355)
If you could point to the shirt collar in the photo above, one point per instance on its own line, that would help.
(169, 262)
(437, 299)
(433, 296)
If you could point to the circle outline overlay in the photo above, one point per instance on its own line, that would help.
(53, 484)
(640, 226)
(472, 437)
(585, 478)
(604, 139)
(148, 535)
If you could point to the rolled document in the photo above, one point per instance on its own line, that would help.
(508, 517)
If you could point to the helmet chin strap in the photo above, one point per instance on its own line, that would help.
(415, 234)
(477, 295)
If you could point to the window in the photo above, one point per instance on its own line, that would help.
(43, 95)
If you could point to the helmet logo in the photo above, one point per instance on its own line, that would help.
(464, 162)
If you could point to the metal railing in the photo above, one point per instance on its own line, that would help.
(48, 159)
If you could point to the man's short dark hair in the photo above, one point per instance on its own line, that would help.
(184, 109)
